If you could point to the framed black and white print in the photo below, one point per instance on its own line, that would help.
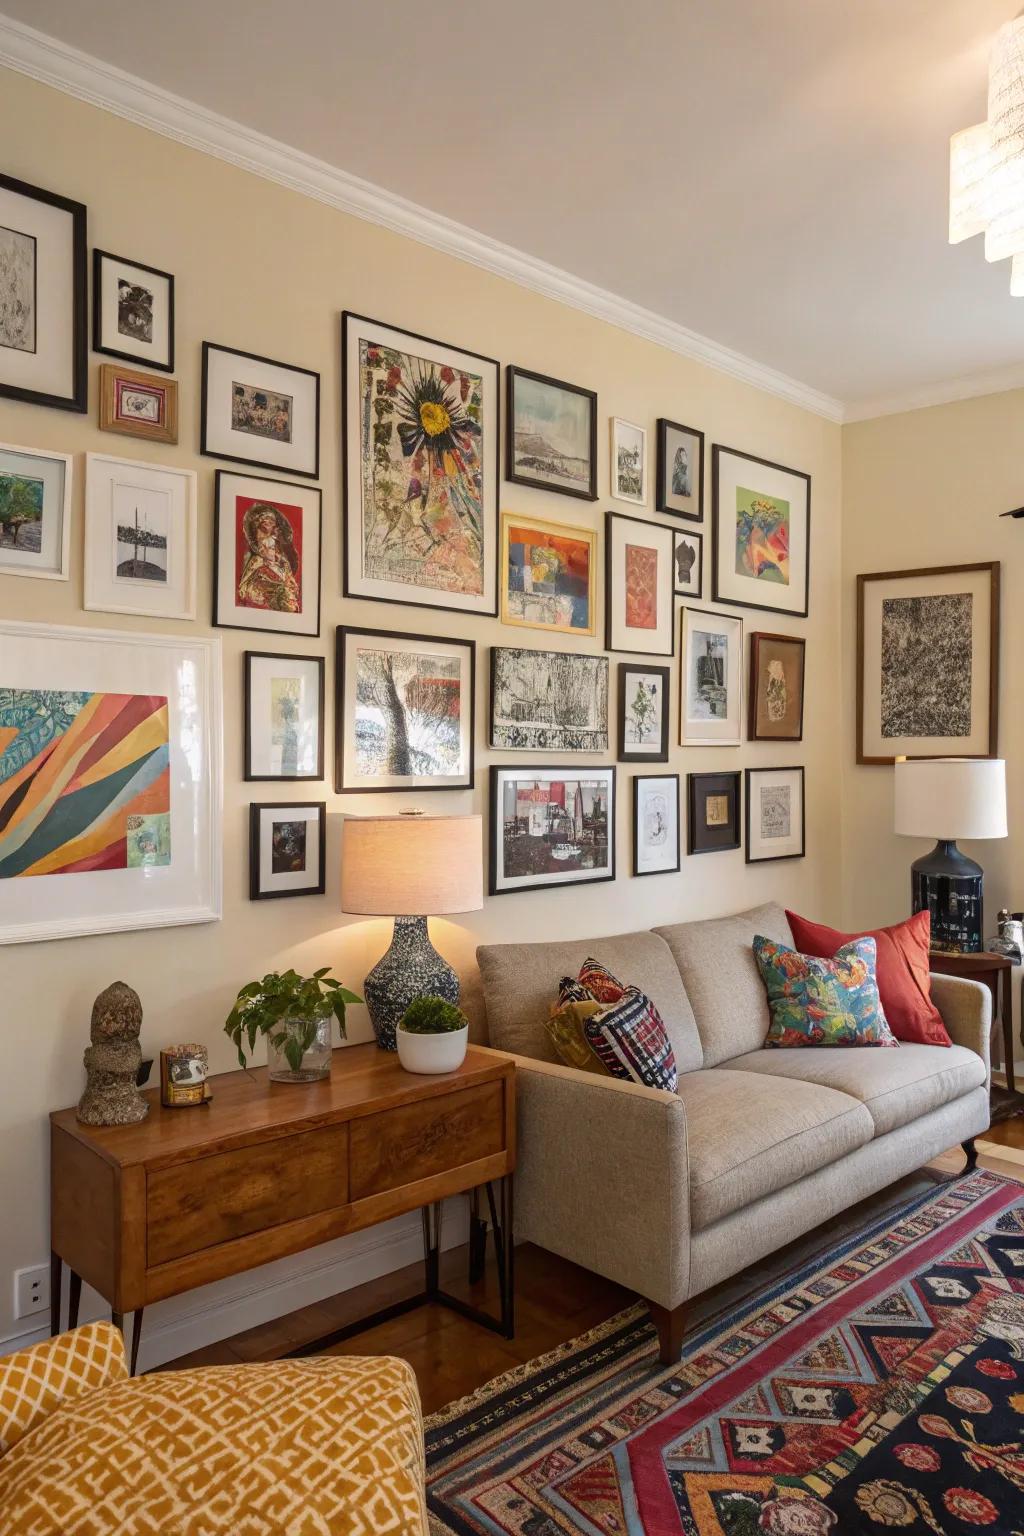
(628, 461)
(284, 716)
(638, 601)
(132, 311)
(43, 331)
(761, 528)
(710, 679)
(712, 812)
(550, 434)
(680, 473)
(551, 827)
(35, 512)
(643, 713)
(267, 538)
(548, 701)
(775, 814)
(258, 411)
(688, 570)
(656, 824)
(140, 538)
(287, 849)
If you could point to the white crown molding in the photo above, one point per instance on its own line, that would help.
(995, 383)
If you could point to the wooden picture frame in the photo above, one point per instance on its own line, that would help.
(267, 883)
(715, 835)
(547, 604)
(227, 401)
(648, 745)
(44, 359)
(108, 311)
(781, 549)
(292, 666)
(565, 780)
(514, 467)
(782, 833)
(138, 404)
(775, 703)
(664, 495)
(643, 784)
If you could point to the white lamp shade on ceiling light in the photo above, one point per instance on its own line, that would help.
(986, 162)
(411, 866)
(948, 798)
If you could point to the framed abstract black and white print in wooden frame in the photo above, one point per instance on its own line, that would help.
(43, 322)
(656, 824)
(551, 827)
(550, 434)
(287, 849)
(679, 488)
(775, 816)
(257, 411)
(284, 716)
(132, 311)
(761, 533)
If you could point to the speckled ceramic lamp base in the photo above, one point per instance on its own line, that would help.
(411, 968)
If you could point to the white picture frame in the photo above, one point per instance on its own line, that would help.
(153, 577)
(710, 678)
(51, 476)
(257, 411)
(656, 837)
(628, 461)
(776, 816)
(639, 604)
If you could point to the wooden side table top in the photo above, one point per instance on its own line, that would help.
(976, 963)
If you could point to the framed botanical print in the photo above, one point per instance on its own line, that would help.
(928, 663)
(643, 713)
(140, 538)
(420, 447)
(710, 679)
(138, 404)
(133, 311)
(775, 814)
(548, 576)
(689, 565)
(266, 555)
(776, 687)
(287, 849)
(680, 471)
(403, 712)
(551, 827)
(713, 812)
(629, 461)
(655, 823)
(638, 603)
(550, 434)
(761, 525)
(548, 701)
(257, 411)
(35, 512)
(284, 716)
(42, 297)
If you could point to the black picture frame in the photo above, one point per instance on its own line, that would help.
(550, 770)
(699, 837)
(512, 373)
(654, 531)
(638, 779)
(665, 674)
(282, 778)
(256, 808)
(685, 533)
(258, 629)
(779, 858)
(78, 400)
(234, 458)
(734, 602)
(98, 258)
(662, 474)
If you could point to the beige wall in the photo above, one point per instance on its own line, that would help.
(266, 270)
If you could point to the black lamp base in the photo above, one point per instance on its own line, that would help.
(947, 884)
(411, 968)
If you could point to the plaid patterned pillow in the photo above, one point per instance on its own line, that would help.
(629, 1036)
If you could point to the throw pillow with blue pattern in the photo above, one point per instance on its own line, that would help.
(822, 1002)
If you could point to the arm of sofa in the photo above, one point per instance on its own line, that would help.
(35, 1381)
(966, 1008)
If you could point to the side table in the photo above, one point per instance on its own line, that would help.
(996, 971)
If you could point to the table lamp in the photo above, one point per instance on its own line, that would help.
(947, 798)
(410, 867)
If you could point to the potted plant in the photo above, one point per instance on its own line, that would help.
(294, 1012)
(432, 1036)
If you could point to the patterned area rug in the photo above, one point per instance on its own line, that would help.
(878, 1388)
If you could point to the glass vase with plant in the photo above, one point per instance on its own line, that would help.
(294, 1013)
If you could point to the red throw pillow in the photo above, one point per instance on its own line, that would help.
(902, 971)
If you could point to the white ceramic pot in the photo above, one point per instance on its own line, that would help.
(432, 1053)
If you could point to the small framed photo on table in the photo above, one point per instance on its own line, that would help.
(133, 311)
(284, 716)
(713, 819)
(656, 824)
(35, 512)
(287, 845)
(775, 814)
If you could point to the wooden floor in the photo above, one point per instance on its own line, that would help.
(555, 1300)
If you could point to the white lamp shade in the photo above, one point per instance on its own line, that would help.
(948, 798)
(411, 866)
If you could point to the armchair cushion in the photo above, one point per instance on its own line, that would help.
(36, 1381)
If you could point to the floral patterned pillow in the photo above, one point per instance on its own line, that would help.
(822, 1002)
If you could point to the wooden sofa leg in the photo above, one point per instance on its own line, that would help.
(669, 1322)
(971, 1153)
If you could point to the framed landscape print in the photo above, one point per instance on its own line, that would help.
(761, 524)
(548, 701)
(629, 461)
(689, 565)
(551, 434)
(257, 411)
(548, 576)
(680, 471)
(138, 404)
(776, 688)
(284, 716)
(928, 663)
(287, 846)
(110, 781)
(655, 823)
(140, 538)
(551, 827)
(775, 814)
(643, 713)
(638, 602)
(710, 679)
(35, 512)
(133, 311)
(403, 711)
(420, 447)
(713, 812)
(266, 554)
(43, 332)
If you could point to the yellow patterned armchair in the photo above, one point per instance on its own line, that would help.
(330, 1446)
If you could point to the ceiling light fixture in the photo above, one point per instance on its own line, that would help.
(986, 162)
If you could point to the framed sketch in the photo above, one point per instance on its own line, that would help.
(266, 554)
(712, 812)
(140, 538)
(710, 679)
(287, 849)
(776, 688)
(257, 411)
(42, 297)
(403, 711)
(656, 823)
(629, 461)
(548, 701)
(551, 827)
(550, 434)
(643, 713)
(548, 576)
(138, 404)
(132, 311)
(35, 512)
(284, 716)
(775, 814)
(761, 526)
(110, 781)
(638, 602)
(421, 469)
(680, 471)
(928, 663)
(688, 571)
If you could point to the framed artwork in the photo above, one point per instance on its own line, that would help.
(638, 602)
(776, 688)
(656, 823)
(710, 678)
(689, 565)
(403, 712)
(287, 849)
(284, 716)
(420, 447)
(261, 412)
(132, 311)
(928, 663)
(35, 512)
(140, 538)
(680, 471)
(775, 814)
(629, 461)
(548, 701)
(761, 525)
(138, 404)
(713, 812)
(42, 297)
(551, 827)
(266, 554)
(551, 434)
(548, 576)
(643, 713)
(110, 781)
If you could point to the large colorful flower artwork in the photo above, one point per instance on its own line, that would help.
(762, 536)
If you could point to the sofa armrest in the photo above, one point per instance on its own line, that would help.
(966, 1008)
(36, 1381)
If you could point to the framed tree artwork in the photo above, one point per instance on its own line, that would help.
(761, 528)
(43, 327)
(266, 554)
(710, 679)
(138, 404)
(688, 573)
(133, 311)
(776, 704)
(548, 701)
(628, 461)
(551, 827)
(643, 713)
(258, 411)
(775, 814)
(551, 434)
(140, 538)
(713, 812)
(35, 512)
(680, 471)
(284, 716)
(548, 576)
(639, 566)
(655, 823)
(287, 849)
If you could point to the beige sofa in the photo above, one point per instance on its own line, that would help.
(670, 1193)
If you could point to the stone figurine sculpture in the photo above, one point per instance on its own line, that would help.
(112, 1060)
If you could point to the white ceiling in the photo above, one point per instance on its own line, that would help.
(769, 173)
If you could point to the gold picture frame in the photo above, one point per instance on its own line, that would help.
(525, 604)
(138, 404)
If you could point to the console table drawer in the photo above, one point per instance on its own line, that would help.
(405, 1145)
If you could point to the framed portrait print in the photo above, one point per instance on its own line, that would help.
(140, 538)
(551, 827)
(643, 713)
(548, 576)
(776, 687)
(403, 711)
(689, 565)
(761, 527)
(43, 331)
(548, 701)
(638, 602)
(775, 814)
(257, 411)
(629, 461)
(710, 679)
(713, 812)
(928, 663)
(550, 434)
(284, 716)
(266, 555)
(133, 311)
(420, 448)
(655, 823)
(138, 404)
(287, 846)
(35, 512)
(680, 471)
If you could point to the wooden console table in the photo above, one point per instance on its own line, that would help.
(143, 1212)
(996, 972)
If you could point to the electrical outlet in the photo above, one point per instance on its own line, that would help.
(31, 1290)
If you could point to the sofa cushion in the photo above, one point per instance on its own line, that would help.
(629, 1036)
(822, 1003)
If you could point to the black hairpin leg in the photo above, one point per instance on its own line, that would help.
(500, 1204)
(74, 1297)
(477, 1240)
(56, 1272)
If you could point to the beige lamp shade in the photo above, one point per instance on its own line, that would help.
(411, 866)
(947, 798)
